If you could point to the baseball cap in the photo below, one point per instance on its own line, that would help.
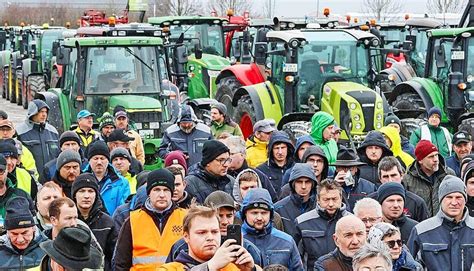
(263, 126)
(218, 199)
(84, 114)
(7, 123)
(461, 137)
(119, 135)
(121, 114)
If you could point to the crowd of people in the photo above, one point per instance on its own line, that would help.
(83, 200)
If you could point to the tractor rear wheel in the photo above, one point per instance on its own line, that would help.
(409, 105)
(21, 86)
(244, 115)
(5, 83)
(226, 88)
(14, 89)
(34, 84)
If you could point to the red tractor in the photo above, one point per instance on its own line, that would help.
(97, 18)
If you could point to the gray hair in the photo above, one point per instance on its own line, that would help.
(367, 203)
(367, 251)
(235, 144)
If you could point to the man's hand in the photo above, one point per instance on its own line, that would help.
(224, 255)
(340, 177)
(244, 260)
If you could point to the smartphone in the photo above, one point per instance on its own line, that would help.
(234, 231)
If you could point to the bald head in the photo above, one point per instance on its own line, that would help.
(350, 235)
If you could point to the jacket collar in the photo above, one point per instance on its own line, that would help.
(450, 221)
(324, 214)
(259, 233)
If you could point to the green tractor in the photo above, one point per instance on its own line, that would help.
(204, 39)
(36, 68)
(446, 83)
(331, 70)
(5, 55)
(99, 73)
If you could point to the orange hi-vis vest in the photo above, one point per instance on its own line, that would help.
(175, 266)
(150, 247)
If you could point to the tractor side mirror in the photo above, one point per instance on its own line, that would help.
(181, 55)
(261, 53)
(62, 56)
(440, 56)
(197, 51)
(411, 38)
(407, 45)
(55, 47)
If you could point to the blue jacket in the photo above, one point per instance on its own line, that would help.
(181, 245)
(114, 188)
(453, 163)
(314, 231)
(441, 244)
(174, 139)
(270, 168)
(12, 259)
(276, 246)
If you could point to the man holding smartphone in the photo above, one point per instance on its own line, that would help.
(202, 234)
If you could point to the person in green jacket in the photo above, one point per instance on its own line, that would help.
(435, 133)
(322, 125)
(222, 123)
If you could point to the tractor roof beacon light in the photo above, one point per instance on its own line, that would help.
(111, 21)
(230, 12)
(407, 16)
(372, 22)
(356, 20)
(348, 18)
(213, 13)
(326, 12)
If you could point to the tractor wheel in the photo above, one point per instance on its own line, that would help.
(34, 85)
(244, 115)
(225, 92)
(14, 89)
(409, 125)
(21, 86)
(410, 104)
(5, 83)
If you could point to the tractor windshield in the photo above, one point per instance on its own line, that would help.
(470, 61)
(393, 35)
(210, 37)
(418, 55)
(330, 56)
(122, 70)
(47, 39)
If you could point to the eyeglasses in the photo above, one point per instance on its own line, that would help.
(391, 243)
(371, 220)
(224, 161)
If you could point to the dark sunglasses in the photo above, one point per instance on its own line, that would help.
(391, 243)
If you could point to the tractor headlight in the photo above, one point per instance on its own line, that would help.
(283, 25)
(352, 106)
(294, 43)
(356, 117)
(154, 125)
(379, 105)
(379, 116)
(378, 125)
(291, 25)
(139, 125)
(358, 126)
(375, 42)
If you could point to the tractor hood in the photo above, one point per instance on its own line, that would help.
(211, 62)
(135, 102)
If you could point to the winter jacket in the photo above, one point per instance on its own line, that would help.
(415, 206)
(225, 127)
(103, 228)
(132, 181)
(86, 138)
(114, 188)
(23, 179)
(319, 122)
(41, 139)
(293, 206)
(416, 181)
(270, 167)
(333, 261)
(136, 146)
(440, 243)
(181, 245)
(124, 249)
(407, 146)
(438, 138)
(185, 262)
(469, 171)
(201, 183)
(314, 231)
(392, 133)
(256, 151)
(185, 201)
(28, 161)
(405, 225)
(174, 139)
(134, 202)
(264, 182)
(50, 168)
(453, 163)
(299, 142)
(370, 170)
(13, 259)
(276, 246)
(406, 262)
(361, 189)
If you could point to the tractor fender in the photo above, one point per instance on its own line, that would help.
(30, 67)
(295, 116)
(414, 87)
(401, 72)
(55, 114)
(466, 116)
(16, 60)
(246, 74)
(254, 97)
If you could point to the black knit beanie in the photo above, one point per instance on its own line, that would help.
(162, 177)
(211, 150)
(98, 148)
(85, 180)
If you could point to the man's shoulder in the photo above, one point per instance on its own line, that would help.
(203, 128)
(281, 236)
(417, 199)
(428, 225)
(308, 216)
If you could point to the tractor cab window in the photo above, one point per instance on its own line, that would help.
(122, 70)
(47, 40)
(210, 37)
(418, 55)
(437, 71)
(470, 60)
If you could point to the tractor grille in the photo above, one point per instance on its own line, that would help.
(145, 116)
(366, 100)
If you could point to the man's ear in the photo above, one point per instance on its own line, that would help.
(186, 237)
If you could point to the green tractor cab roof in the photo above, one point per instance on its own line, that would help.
(122, 30)
(186, 20)
(113, 41)
(449, 32)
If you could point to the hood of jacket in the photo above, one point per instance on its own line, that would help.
(316, 150)
(34, 107)
(280, 137)
(257, 195)
(185, 259)
(468, 171)
(375, 138)
(300, 141)
(300, 170)
(319, 122)
(186, 113)
(394, 136)
(236, 189)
